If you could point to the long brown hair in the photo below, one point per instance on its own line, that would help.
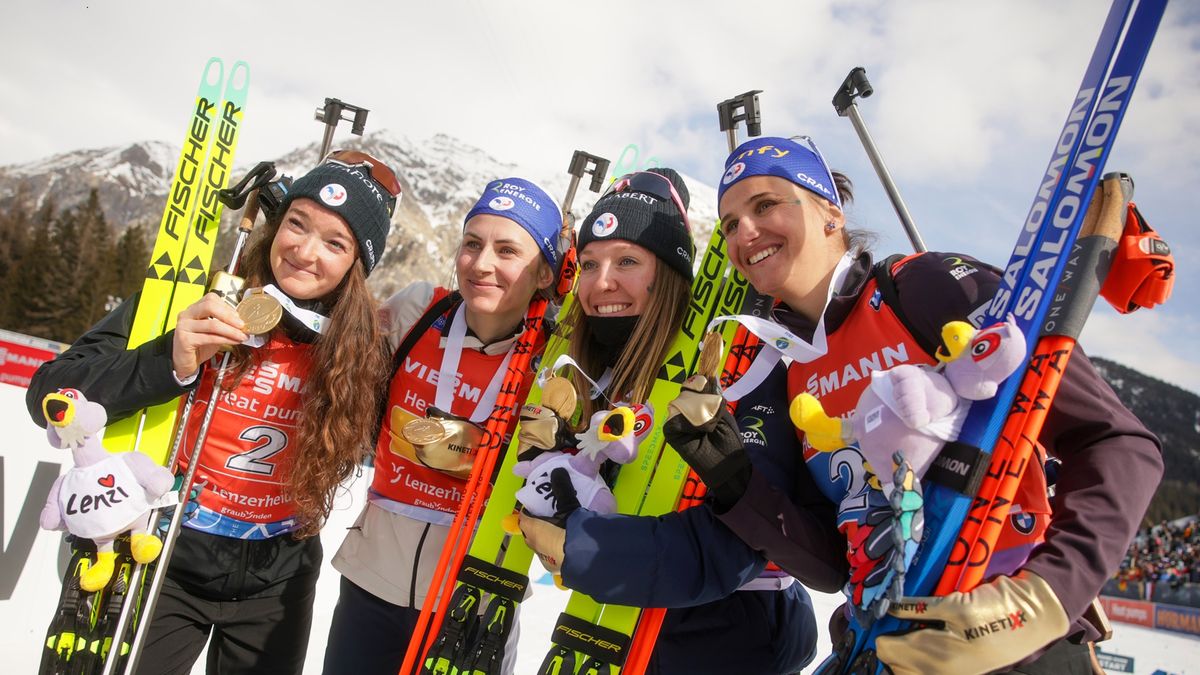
(642, 356)
(347, 372)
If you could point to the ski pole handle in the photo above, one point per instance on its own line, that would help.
(331, 114)
(743, 107)
(855, 85)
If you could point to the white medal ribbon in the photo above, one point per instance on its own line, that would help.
(782, 341)
(448, 373)
(307, 317)
(598, 386)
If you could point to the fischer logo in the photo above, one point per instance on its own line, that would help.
(333, 194)
(188, 170)
(589, 639)
(732, 173)
(501, 203)
(605, 225)
(492, 578)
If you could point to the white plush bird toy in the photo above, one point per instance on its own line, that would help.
(104, 495)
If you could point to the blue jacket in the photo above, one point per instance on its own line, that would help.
(691, 562)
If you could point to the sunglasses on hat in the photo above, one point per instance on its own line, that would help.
(654, 184)
(379, 171)
(812, 145)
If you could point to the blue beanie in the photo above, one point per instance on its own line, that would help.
(527, 205)
(784, 158)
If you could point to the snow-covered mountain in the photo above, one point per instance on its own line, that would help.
(441, 177)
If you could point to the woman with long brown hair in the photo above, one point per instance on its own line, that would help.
(289, 425)
(727, 614)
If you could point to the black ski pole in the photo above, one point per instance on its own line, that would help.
(331, 114)
(855, 85)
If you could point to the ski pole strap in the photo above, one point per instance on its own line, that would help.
(960, 467)
(1143, 269)
(493, 579)
(603, 644)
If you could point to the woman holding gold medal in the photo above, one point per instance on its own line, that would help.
(451, 351)
(288, 427)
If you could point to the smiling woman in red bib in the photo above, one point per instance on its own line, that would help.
(451, 352)
(288, 426)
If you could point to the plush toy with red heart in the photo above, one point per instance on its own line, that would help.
(104, 495)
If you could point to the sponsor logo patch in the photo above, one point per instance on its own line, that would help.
(501, 203)
(333, 194)
(732, 173)
(605, 225)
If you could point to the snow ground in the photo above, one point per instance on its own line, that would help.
(24, 614)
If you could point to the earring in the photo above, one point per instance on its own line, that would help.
(830, 226)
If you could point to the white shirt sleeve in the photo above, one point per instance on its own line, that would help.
(399, 312)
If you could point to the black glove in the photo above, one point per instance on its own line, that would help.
(714, 450)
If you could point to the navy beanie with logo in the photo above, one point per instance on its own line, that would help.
(645, 219)
(350, 192)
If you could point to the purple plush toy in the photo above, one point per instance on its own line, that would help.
(103, 495)
(901, 421)
(612, 434)
(914, 409)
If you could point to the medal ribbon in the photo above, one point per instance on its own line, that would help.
(598, 387)
(782, 341)
(448, 373)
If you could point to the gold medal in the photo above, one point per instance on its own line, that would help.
(422, 431)
(260, 312)
(710, 357)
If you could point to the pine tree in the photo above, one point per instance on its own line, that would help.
(94, 278)
(15, 239)
(130, 256)
(36, 306)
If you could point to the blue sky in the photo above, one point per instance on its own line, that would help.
(969, 99)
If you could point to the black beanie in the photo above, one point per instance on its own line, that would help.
(648, 220)
(350, 192)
